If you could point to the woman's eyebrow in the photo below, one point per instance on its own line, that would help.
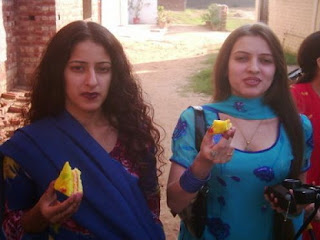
(84, 62)
(245, 52)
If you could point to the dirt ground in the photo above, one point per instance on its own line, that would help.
(164, 62)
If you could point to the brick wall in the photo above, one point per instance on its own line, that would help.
(27, 27)
(292, 21)
(3, 53)
(36, 23)
(8, 49)
(174, 5)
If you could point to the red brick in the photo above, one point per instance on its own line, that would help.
(8, 95)
(15, 121)
(15, 109)
(22, 99)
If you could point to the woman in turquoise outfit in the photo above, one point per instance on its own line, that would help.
(269, 141)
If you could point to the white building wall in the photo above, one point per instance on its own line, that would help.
(293, 20)
(114, 13)
(148, 14)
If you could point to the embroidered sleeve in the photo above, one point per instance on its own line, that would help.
(15, 180)
(183, 139)
(20, 196)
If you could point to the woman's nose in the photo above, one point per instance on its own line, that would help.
(254, 66)
(91, 78)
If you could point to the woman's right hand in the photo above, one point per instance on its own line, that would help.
(49, 210)
(220, 152)
(212, 153)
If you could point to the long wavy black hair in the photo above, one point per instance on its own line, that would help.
(278, 97)
(124, 106)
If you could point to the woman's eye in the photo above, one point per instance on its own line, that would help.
(241, 58)
(77, 68)
(266, 60)
(103, 69)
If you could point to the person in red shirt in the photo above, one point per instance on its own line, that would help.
(306, 93)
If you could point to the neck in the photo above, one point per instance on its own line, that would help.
(253, 109)
(90, 120)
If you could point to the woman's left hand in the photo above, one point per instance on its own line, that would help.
(309, 210)
(274, 202)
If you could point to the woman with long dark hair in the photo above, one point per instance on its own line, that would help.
(269, 142)
(86, 108)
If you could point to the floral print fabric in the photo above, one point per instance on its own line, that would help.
(237, 209)
(12, 222)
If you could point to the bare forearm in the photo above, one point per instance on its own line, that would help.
(177, 197)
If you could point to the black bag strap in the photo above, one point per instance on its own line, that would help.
(200, 125)
(200, 130)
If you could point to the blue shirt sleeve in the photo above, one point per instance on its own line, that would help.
(183, 139)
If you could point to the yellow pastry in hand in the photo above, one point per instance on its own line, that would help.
(220, 126)
(69, 180)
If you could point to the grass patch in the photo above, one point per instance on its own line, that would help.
(212, 58)
(233, 23)
(291, 58)
(193, 17)
(189, 16)
(201, 82)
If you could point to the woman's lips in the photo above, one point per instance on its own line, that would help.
(90, 96)
(252, 81)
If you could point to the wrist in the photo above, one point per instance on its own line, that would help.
(201, 167)
(190, 183)
(33, 220)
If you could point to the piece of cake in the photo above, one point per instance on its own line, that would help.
(69, 180)
(220, 126)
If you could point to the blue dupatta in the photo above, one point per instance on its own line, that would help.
(245, 108)
(113, 205)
